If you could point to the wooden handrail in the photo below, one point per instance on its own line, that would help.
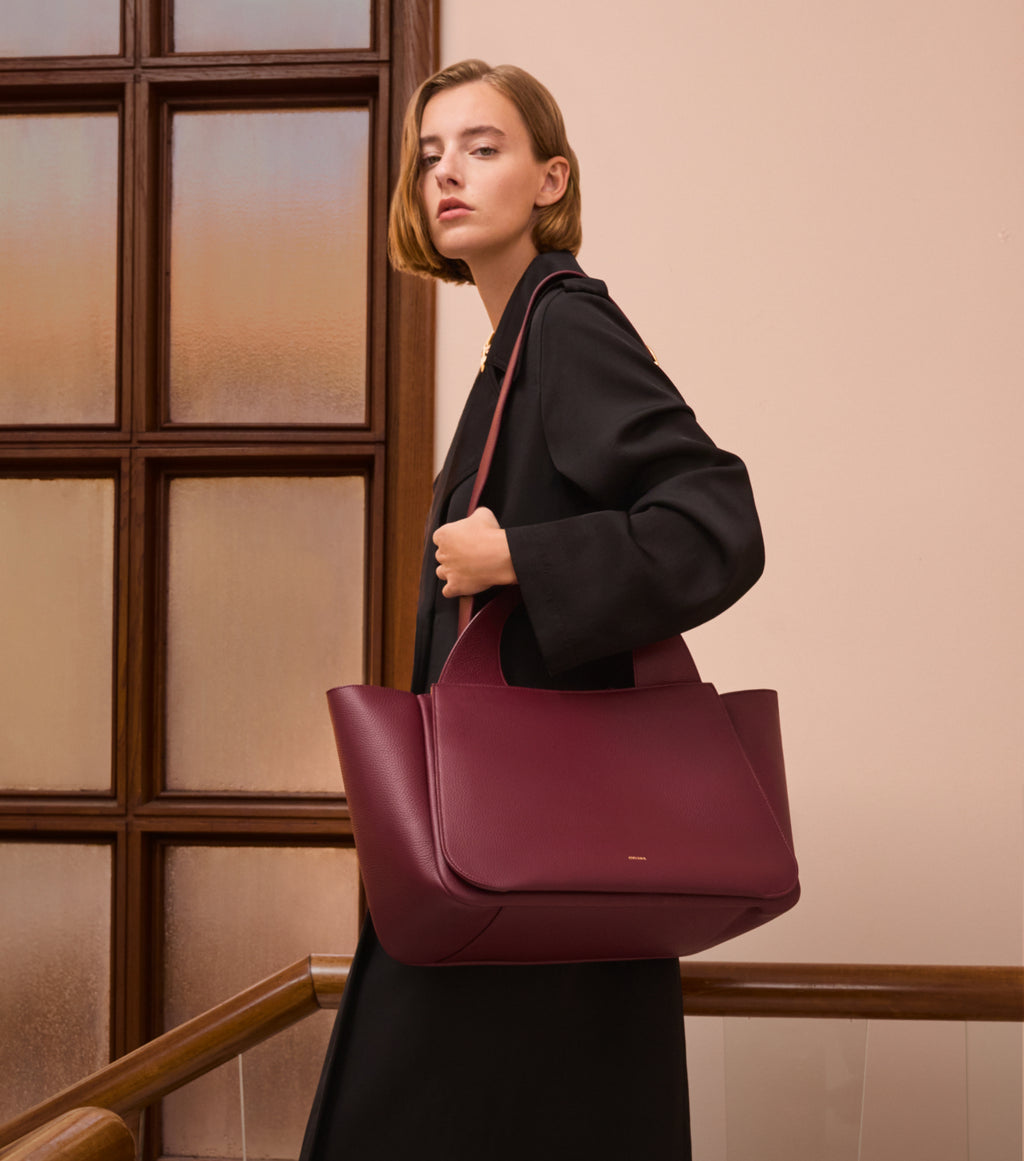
(80, 1135)
(198, 1046)
(853, 991)
(846, 991)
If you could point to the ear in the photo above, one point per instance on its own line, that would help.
(555, 183)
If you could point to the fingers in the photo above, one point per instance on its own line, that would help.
(465, 554)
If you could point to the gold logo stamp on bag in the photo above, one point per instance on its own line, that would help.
(637, 858)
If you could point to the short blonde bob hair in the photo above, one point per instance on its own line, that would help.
(557, 227)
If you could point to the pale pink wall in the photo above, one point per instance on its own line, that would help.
(815, 215)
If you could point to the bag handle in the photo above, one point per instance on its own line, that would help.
(475, 658)
(482, 472)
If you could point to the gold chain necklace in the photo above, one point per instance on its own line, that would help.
(485, 352)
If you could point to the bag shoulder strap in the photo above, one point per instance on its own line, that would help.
(482, 472)
(659, 663)
(506, 385)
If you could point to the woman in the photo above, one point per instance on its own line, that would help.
(622, 524)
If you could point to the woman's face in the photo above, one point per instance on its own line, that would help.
(479, 181)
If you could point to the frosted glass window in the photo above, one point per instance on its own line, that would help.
(60, 28)
(265, 613)
(58, 278)
(55, 941)
(57, 629)
(235, 915)
(255, 25)
(269, 267)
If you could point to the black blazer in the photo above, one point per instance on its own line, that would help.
(625, 523)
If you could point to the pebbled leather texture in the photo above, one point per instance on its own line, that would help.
(497, 824)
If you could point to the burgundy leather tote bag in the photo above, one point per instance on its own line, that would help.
(499, 824)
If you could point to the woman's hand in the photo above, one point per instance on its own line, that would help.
(472, 555)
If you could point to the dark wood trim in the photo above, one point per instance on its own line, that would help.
(122, 629)
(119, 982)
(138, 955)
(411, 315)
(43, 69)
(290, 76)
(28, 826)
(145, 235)
(28, 85)
(130, 29)
(126, 287)
(36, 461)
(332, 828)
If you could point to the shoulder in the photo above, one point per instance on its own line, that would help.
(577, 302)
(577, 321)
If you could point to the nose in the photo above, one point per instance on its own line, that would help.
(446, 171)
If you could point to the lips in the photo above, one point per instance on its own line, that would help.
(450, 208)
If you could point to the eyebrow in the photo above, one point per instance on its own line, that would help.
(475, 131)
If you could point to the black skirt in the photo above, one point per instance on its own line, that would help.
(551, 1063)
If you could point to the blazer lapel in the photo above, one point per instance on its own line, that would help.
(467, 447)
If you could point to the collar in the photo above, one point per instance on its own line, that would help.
(512, 316)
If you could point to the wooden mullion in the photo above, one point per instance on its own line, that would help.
(378, 194)
(24, 86)
(126, 252)
(251, 60)
(410, 420)
(139, 706)
(283, 810)
(234, 831)
(120, 978)
(291, 74)
(261, 457)
(159, 252)
(57, 810)
(66, 823)
(122, 635)
(130, 28)
(380, 22)
(183, 436)
(374, 589)
(145, 231)
(31, 457)
(27, 69)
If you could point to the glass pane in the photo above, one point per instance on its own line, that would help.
(235, 915)
(265, 613)
(55, 940)
(255, 25)
(794, 1088)
(995, 1088)
(57, 628)
(60, 28)
(268, 267)
(58, 279)
(915, 1092)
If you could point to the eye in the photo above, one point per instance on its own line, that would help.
(485, 151)
(428, 160)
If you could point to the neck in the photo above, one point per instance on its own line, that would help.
(496, 279)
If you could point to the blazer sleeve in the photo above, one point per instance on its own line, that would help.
(669, 535)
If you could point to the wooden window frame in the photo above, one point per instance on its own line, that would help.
(142, 84)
